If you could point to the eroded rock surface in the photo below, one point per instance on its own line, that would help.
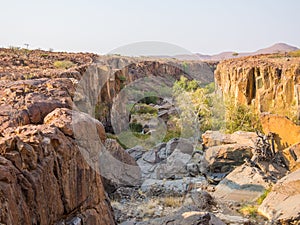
(286, 132)
(282, 203)
(269, 84)
(226, 151)
(245, 183)
(45, 178)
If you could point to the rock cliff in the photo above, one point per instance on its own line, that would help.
(269, 83)
(44, 177)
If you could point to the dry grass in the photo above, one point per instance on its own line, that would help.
(249, 210)
(173, 202)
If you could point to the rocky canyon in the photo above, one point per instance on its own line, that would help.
(77, 149)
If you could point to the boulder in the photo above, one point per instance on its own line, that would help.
(284, 138)
(147, 167)
(282, 203)
(233, 220)
(216, 138)
(153, 187)
(224, 158)
(244, 183)
(184, 145)
(118, 168)
(72, 123)
(174, 167)
(292, 157)
(136, 152)
(202, 200)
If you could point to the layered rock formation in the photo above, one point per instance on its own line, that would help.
(268, 83)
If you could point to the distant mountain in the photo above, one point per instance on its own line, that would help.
(279, 47)
(276, 48)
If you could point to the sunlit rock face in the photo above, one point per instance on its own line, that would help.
(269, 84)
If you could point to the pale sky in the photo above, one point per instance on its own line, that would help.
(203, 26)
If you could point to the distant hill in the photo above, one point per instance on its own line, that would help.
(276, 48)
(279, 47)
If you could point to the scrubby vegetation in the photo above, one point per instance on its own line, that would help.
(240, 117)
(63, 64)
(143, 109)
(294, 53)
(201, 105)
(136, 127)
(263, 196)
(249, 210)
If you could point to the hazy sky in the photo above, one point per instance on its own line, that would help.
(204, 26)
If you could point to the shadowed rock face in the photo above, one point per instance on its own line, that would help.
(103, 81)
(270, 84)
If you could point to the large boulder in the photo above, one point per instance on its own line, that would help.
(123, 169)
(284, 138)
(282, 203)
(76, 124)
(216, 138)
(223, 152)
(174, 167)
(166, 160)
(245, 183)
(224, 158)
(45, 178)
(136, 152)
(184, 145)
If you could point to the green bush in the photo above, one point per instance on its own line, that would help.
(63, 64)
(143, 109)
(136, 127)
(183, 84)
(171, 134)
(149, 100)
(122, 78)
(240, 117)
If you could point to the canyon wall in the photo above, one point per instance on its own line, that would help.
(103, 81)
(268, 83)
